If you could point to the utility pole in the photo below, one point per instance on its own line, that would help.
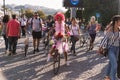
(73, 12)
(4, 6)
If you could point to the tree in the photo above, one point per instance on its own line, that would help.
(79, 14)
(106, 9)
(41, 14)
(29, 13)
(67, 13)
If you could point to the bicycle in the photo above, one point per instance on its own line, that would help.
(56, 61)
(56, 56)
(85, 40)
(47, 43)
(57, 49)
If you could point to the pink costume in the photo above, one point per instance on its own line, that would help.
(60, 45)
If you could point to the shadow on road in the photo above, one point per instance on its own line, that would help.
(85, 66)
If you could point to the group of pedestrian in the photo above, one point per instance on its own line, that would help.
(12, 29)
(11, 33)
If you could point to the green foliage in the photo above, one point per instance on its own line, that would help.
(29, 13)
(79, 14)
(41, 14)
(106, 8)
(67, 14)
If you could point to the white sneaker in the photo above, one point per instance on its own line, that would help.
(48, 57)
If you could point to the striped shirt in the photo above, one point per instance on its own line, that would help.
(110, 39)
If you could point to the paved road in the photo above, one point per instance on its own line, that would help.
(84, 66)
(1, 40)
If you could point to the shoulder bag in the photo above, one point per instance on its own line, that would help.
(104, 51)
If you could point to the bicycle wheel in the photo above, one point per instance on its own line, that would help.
(82, 41)
(87, 43)
(56, 63)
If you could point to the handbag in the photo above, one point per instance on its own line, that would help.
(76, 37)
(104, 51)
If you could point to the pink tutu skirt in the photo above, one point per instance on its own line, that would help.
(61, 46)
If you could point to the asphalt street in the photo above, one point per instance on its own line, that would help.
(85, 66)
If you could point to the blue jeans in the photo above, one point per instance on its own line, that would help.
(112, 65)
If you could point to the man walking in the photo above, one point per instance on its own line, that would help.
(13, 33)
(36, 24)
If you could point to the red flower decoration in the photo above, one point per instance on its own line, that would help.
(59, 35)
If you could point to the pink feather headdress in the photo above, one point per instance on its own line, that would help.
(59, 14)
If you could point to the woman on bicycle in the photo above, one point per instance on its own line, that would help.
(60, 32)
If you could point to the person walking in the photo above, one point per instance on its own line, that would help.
(23, 22)
(13, 33)
(75, 32)
(36, 23)
(111, 40)
(92, 31)
(3, 33)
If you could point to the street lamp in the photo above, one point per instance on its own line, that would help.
(4, 6)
